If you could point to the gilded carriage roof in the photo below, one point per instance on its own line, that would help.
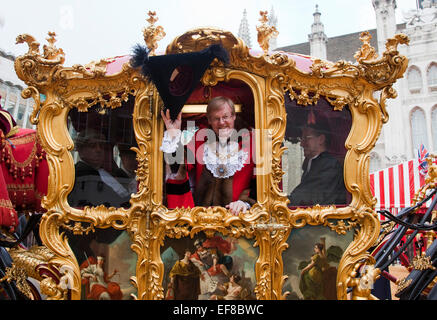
(303, 63)
(301, 75)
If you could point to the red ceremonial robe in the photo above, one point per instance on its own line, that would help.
(179, 191)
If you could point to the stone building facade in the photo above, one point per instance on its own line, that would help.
(413, 114)
(10, 91)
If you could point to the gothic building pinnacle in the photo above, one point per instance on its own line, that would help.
(317, 38)
(243, 31)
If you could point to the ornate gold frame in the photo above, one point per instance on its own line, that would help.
(270, 221)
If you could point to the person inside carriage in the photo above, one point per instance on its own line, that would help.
(316, 138)
(220, 172)
(94, 183)
(99, 180)
(128, 167)
(223, 170)
(322, 179)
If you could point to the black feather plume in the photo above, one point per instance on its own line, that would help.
(140, 58)
(219, 52)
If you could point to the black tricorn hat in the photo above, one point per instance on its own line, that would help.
(317, 121)
(176, 75)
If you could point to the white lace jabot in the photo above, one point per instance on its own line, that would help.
(224, 161)
(221, 160)
(169, 145)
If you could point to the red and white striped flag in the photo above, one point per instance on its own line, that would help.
(395, 187)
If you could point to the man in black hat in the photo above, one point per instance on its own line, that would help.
(322, 179)
(224, 165)
(93, 184)
(127, 175)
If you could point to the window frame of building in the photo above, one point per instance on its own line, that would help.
(414, 85)
(416, 140)
(434, 126)
(431, 76)
(375, 162)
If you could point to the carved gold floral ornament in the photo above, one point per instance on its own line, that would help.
(422, 262)
(153, 34)
(265, 32)
(366, 52)
(403, 284)
(362, 284)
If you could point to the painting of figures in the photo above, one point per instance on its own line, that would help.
(106, 265)
(311, 261)
(216, 268)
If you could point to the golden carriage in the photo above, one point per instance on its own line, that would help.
(272, 89)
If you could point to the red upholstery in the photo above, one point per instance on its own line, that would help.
(23, 178)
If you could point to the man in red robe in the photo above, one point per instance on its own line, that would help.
(223, 171)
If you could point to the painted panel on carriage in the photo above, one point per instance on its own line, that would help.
(104, 164)
(217, 268)
(311, 262)
(313, 162)
(106, 264)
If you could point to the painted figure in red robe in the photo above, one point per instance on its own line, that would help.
(98, 283)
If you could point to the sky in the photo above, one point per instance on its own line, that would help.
(88, 30)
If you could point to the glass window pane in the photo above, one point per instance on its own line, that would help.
(105, 166)
(313, 164)
(213, 162)
(414, 79)
(418, 129)
(432, 75)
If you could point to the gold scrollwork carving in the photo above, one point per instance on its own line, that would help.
(385, 70)
(265, 32)
(34, 93)
(402, 284)
(35, 263)
(362, 284)
(152, 34)
(341, 227)
(422, 262)
(19, 276)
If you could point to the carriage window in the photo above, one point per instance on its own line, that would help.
(213, 163)
(104, 175)
(313, 162)
(104, 164)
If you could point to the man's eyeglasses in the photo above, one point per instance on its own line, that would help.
(305, 138)
(225, 118)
